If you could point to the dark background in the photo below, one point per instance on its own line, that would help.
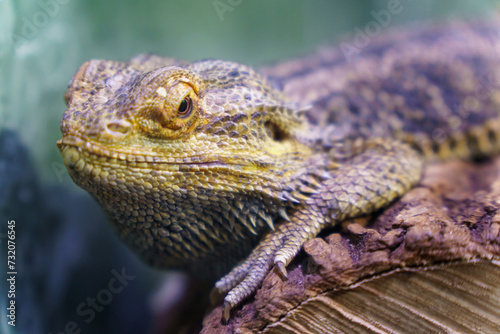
(66, 252)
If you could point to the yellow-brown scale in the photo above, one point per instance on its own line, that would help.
(201, 165)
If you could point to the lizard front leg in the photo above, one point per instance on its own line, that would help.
(367, 182)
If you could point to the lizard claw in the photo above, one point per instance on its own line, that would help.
(281, 268)
(227, 311)
(215, 296)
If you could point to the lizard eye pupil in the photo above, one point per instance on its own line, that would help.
(185, 107)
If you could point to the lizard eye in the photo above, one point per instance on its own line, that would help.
(168, 102)
(185, 107)
(179, 100)
(174, 106)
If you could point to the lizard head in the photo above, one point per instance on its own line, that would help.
(211, 113)
(167, 147)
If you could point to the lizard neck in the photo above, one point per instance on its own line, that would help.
(193, 213)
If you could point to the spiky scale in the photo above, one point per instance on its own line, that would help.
(253, 220)
(283, 214)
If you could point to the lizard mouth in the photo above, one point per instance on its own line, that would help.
(82, 155)
(92, 166)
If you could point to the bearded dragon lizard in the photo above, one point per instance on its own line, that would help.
(202, 165)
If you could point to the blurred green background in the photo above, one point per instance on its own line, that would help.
(42, 44)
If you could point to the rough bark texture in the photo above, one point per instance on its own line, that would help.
(452, 215)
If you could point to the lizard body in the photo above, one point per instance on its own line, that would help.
(201, 165)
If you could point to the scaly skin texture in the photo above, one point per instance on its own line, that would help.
(201, 165)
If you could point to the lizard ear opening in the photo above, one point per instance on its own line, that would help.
(275, 132)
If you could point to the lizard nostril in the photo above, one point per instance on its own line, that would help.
(119, 127)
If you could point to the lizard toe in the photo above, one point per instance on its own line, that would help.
(249, 284)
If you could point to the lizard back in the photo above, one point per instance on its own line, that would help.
(436, 88)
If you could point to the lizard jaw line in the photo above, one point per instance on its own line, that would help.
(75, 149)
